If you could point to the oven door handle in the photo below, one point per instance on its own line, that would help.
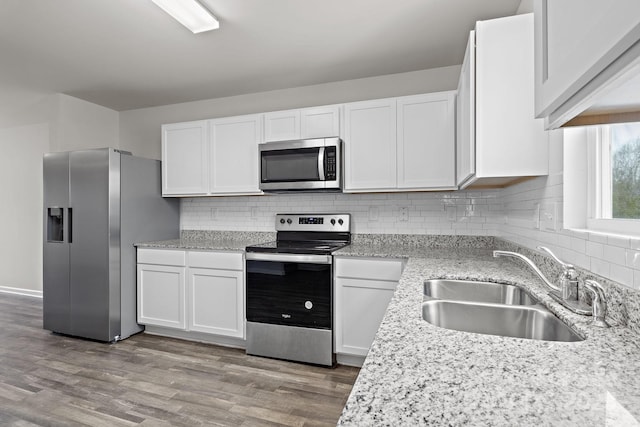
(299, 258)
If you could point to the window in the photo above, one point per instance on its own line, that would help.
(614, 178)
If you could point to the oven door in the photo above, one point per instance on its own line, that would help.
(289, 290)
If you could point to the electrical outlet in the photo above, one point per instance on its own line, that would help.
(374, 213)
(403, 214)
(214, 213)
(549, 216)
(254, 212)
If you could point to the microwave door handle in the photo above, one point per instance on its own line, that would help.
(321, 163)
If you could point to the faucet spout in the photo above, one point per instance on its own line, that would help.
(530, 263)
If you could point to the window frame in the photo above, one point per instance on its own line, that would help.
(599, 186)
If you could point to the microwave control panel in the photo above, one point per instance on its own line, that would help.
(330, 173)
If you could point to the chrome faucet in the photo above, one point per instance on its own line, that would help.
(568, 279)
(567, 293)
(530, 263)
(598, 303)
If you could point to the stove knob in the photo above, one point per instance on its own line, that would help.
(340, 221)
(289, 221)
(281, 220)
(333, 222)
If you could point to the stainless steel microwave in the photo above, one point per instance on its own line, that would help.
(310, 164)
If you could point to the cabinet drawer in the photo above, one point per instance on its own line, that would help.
(218, 260)
(161, 257)
(369, 268)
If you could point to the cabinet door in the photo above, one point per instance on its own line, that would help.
(320, 122)
(576, 40)
(509, 141)
(426, 141)
(185, 159)
(370, 145)
(465, 115)
(282, 125)
(234, 154)
(216, 301)
(360, 307)
(363, 289)
(161, 296)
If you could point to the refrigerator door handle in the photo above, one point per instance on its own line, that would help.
(70, 225)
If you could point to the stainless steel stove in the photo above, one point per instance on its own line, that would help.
(289, 303)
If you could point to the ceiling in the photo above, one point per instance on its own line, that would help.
(126, 54)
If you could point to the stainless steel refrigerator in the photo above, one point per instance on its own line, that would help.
(97, 204)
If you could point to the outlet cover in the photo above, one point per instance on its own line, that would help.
(549, 216)
(403, 214)
(374, 213)
(214, 213)
(254, 212)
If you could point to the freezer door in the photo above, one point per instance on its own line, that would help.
(95, 244)
(55, 253)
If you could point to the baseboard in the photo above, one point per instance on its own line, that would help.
(20, 291)
(196, 336)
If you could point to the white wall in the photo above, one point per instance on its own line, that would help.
(78, 124)
(140, 129)
(32, 124)
(21, 213)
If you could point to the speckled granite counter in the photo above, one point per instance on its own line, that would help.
(211, 240)
(419, 374)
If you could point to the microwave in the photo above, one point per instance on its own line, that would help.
(301, 165)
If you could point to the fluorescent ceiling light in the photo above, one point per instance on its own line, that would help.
(189, 13)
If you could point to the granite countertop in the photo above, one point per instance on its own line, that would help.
(420, 374)
(211, 241)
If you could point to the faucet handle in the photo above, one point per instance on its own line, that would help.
(598, 303)
(569, 270)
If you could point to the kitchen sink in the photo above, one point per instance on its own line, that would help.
(529, 322)
(467, 290)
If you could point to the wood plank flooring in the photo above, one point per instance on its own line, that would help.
(52, 380)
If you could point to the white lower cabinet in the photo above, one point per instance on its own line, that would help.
(363, 289)
(216, 299)
(205, 294)
(161, 296)
(161, 288)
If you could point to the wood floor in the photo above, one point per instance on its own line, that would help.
(52, 380)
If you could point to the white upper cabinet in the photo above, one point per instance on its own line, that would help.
(185, 162)
(234, 154)
(305, 123)
(370, 145)
(584, 49)
(425, 145)
(465, 116)
(508, 142)
(400, 144)
(282, 125)
(320, 122)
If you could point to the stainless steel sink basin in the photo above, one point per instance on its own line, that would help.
(466, 290)
(530, 322)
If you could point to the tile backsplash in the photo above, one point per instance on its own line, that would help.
(529, 214)
(478, 213)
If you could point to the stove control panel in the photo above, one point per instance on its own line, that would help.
(313, 222)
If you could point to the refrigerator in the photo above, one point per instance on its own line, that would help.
(97, 205)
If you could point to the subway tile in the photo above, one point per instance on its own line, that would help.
(614, 254)
(621, 274)
(595, 250)
(633, 259)
(600, 267)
